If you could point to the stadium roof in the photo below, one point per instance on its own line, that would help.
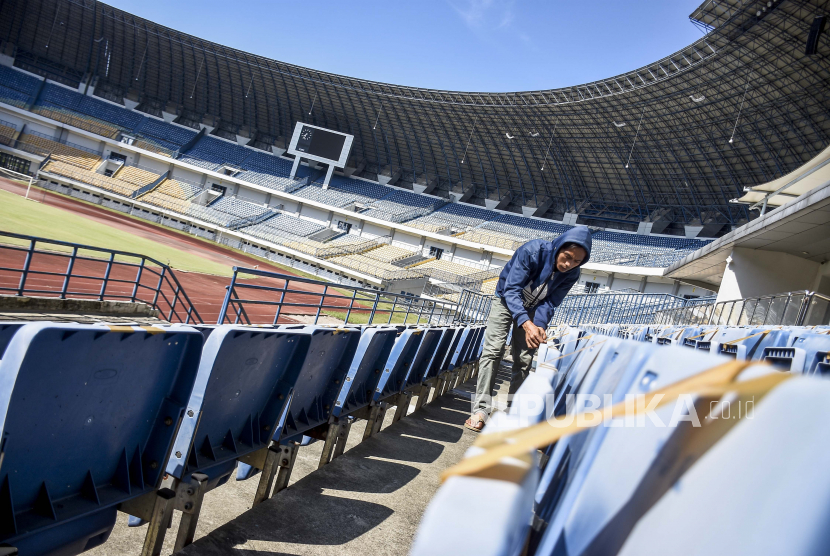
(674, 140)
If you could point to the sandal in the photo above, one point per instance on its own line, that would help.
(478, 424)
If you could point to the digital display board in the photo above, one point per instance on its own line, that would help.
(320, 144)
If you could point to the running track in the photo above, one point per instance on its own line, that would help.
(205, 291)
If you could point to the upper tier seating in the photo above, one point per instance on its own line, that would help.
(460, 214)
(13, 97)
(522, 227)
(59, 151)
(398, 204)
(268, 180)
(169, 134)
(76, 119)
(211, 153)
(267, 163)
(18, 81)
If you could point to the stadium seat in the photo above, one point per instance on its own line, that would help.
(412, 352)
(90, 415)
(358, 389)
(245, 378)
(312, 401)
(743, 474)
(615, 460)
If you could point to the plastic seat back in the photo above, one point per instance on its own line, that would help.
(423, 358)
(441, 352)
(616, 458)
(89, 417)
(743, 473)
(245, 378)
(330, 353)
(365, 371)
(400, 361)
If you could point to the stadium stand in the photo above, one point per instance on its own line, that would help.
(17, 88)
(136, 175)
(170, 135)
(8, 131)
(87, 176)
(573, 496)
(211, 153)
(173, 195)
(75, 155)
(388, 253)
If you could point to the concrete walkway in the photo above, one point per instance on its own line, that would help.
(368, 501)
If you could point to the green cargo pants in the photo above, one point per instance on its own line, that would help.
(495, 337)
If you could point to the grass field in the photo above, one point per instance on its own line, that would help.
(20, 216)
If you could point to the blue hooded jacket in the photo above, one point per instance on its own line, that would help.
(533, 262)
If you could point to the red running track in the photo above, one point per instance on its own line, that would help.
(206, 292)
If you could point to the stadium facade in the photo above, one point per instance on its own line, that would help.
(671, 143)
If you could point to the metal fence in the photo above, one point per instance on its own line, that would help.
(799, 308)
(260, 297)
(618, 308)
(34, 266)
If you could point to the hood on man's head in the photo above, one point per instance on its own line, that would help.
(579, 235)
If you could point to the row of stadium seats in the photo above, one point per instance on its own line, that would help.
(136, 175)
(268, 170)
(375, 267)
(147, 419)
(172, 195)
(83, 175)
(8, 131)
(689, 477)
(60, 152)
(75, 119)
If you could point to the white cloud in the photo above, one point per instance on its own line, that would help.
(485, 16)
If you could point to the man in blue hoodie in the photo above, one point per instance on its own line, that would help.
(531, 285)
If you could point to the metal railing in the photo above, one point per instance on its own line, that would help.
(655, 260)
(616, 308)
(52, 268)
(261, 297)
(798, 308)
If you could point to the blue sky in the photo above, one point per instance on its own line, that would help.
(468, 45)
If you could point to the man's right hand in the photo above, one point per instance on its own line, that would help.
(534, 335)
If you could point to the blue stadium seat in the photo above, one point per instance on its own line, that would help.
(104, 402)
(412, 353)
(743, 474)
(807, 353)
(615, 459)
(358, 389)
(245, 378)
(331, 352)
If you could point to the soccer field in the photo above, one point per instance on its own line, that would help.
(17, 215)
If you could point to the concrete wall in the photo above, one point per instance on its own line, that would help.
(373, 230)
(753, 272)
(252, 195)
(315, 215)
